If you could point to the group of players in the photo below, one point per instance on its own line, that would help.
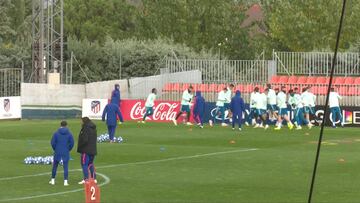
(267, 107)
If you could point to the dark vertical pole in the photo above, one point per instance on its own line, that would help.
(326, 104)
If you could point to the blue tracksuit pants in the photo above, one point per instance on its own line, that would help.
(87, 162)
(237, 118)
(111, 131)
(65, 166)
(336, 114)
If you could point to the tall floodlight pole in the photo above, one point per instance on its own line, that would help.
(47, 39)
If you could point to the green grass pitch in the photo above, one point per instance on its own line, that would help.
(163, 163)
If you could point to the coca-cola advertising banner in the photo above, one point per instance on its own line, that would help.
(164, 111)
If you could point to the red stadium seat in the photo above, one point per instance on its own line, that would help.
(239, 87)
(248, 88)
(168, 87)
(352, 91)
(322, 90)
(176, 87)
(275, 79)
(343, 90)
(311, 80)
(283, 79)
(220, 87)
(185, 86)
(339, 80)
(321, 80)
(203, 87)
(212, 88)
(314, 90)
(349, 81)
(357, 81)
(292, 79)
(302, 80)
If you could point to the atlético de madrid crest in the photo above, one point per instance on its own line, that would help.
(7, 105)
(95, 106)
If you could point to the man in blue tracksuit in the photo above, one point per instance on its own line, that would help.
(115, 99)
(110, 112)
(237, 107)
(199, 109)
(62, 143)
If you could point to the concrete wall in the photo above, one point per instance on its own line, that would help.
(33, 94)
(51, 95)
(99, 90)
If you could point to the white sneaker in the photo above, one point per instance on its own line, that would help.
(174, 121)
(224, 124)
(246, 123)
(188, 123)
(266, 127)
(310, 125)
(261, 126)
(253, 122)
(81, 182)
(52, 181)
(298, 127)
(143, 122)
(211, 123)
(256, 126)
(201, 126)
(66, 183)
(277, 128)
(233, 128)
(239, 129)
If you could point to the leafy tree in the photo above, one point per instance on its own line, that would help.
(312, 24)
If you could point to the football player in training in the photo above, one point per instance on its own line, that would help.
(220, 109)
(199, 109)
(261, 106)
(271, 103)
(62, 143)
(283, 113)
(149, 104)
(187, 97)
(296, 104)
(228, 96)
(312, 103)
(334, 105)
(237, 107)
(251, 116)
(87, 148)
(115, 99)
(307, 99)
(110, 112)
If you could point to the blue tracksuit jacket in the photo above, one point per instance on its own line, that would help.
(115, 97)
(111, 111)
(62, 143)
(237, 104)
(199, 108)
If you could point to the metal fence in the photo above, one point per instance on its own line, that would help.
(10, 82)
(316, 63)
(223, 71)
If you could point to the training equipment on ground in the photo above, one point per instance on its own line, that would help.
(106, 138)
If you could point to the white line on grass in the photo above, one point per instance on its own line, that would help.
(141, 162)
(107, 179)
(176, 158)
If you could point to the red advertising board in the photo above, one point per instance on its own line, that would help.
(164, 111)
